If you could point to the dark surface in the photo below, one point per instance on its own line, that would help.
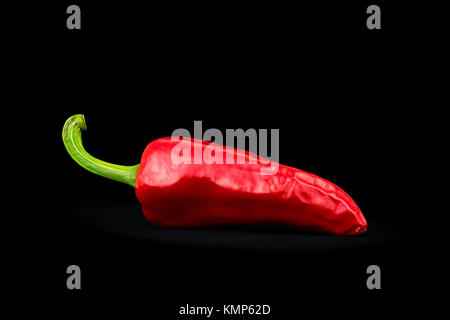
(124, 218)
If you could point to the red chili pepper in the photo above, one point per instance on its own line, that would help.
(179, 195)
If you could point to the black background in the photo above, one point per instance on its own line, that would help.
(333, 88)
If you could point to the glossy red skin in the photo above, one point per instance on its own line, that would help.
(200, 195)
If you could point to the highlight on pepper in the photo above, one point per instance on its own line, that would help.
(258, 141)
(187, 195)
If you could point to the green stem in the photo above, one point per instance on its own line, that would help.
(71, 135)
